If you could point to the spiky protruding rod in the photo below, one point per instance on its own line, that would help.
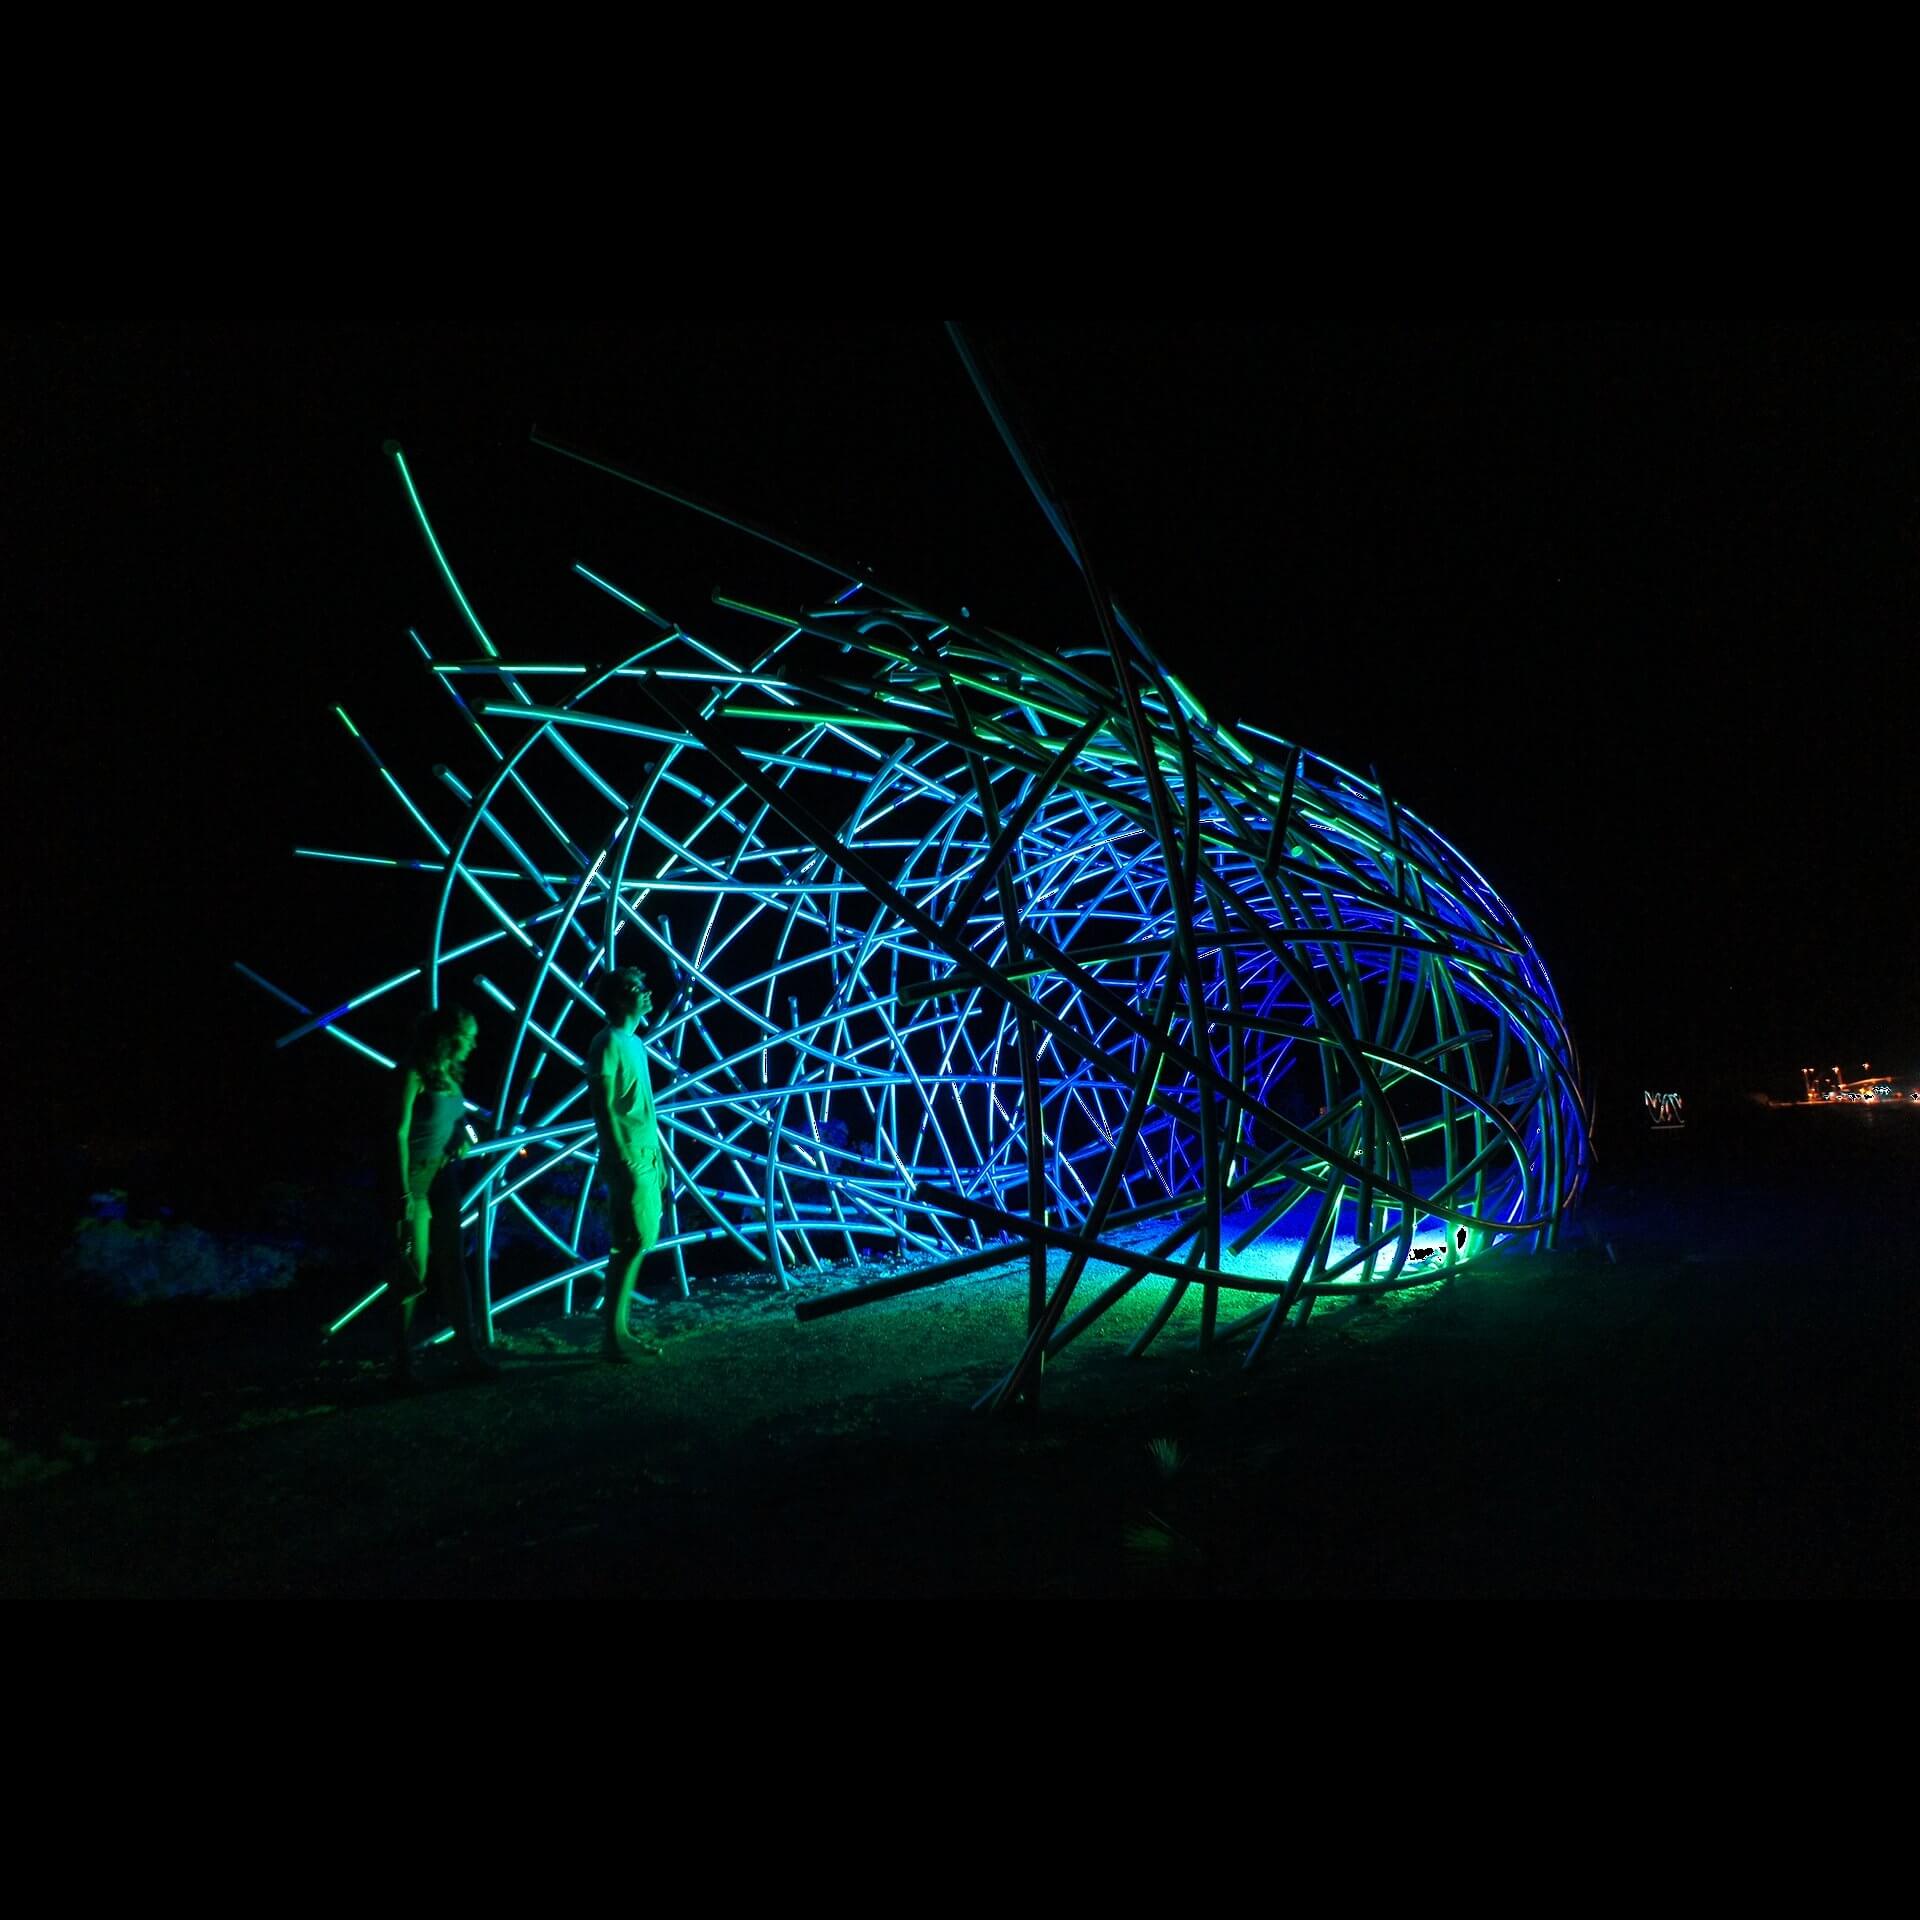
(983, 952)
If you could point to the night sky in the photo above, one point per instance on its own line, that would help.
(1627, 613)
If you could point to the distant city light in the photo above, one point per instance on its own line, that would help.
(1822, 1087)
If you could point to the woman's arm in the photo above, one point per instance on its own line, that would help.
(409, 1092)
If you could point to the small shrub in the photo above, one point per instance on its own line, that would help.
(142, 1261)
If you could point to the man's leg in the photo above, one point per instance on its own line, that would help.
(636, 1226)
(623, 1269)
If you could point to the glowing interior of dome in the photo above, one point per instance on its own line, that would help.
(977, 948)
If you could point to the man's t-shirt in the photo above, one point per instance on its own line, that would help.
(631, 1095)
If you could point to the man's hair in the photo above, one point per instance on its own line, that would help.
(623, 991)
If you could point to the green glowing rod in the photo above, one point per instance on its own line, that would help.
(392, 450)
(1338, 957)
(358, 1308)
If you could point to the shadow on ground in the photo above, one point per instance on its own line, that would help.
(1708, 1391)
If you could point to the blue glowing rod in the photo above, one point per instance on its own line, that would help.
(985, 953)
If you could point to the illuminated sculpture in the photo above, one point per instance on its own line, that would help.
(983, 953)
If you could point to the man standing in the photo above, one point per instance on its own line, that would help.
(623, 1117)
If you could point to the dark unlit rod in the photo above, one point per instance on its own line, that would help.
(1239, 988)
(826, 1304)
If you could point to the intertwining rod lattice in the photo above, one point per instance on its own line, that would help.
(982, 951)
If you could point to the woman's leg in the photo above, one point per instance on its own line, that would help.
(447, 1258)
(409, 1283)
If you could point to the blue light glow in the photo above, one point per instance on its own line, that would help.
(977, 946)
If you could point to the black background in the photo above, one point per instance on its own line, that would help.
(1627, 613)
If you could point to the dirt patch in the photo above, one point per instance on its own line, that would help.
(1676, 1403)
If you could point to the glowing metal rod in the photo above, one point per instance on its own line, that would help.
(356, 1309)
(1067, 949)
(347, 1006)
(433, 545)
(586, 722)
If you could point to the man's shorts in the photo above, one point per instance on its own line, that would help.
(634, 1191)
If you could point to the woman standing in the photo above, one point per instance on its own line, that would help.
(431, 1104)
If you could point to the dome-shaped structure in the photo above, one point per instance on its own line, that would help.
(976, 946)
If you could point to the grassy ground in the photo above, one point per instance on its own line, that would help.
(1710, 1391)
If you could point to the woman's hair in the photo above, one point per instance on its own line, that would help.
(622, 991)
(436, 1034)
